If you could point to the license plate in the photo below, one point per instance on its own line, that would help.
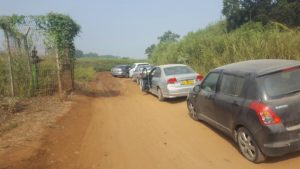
(187, 82)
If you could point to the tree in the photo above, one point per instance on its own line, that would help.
(239, 12)
(168, 37)
(60, 31)
(8, 25)
(150, 50)
(79, 53)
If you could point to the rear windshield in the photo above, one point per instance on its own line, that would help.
(177, 70)
(122, 66)
(281, 84)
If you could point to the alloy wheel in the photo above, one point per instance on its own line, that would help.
(192, 111)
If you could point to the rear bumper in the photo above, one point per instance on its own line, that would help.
(277, 141)
(281, 147)
(119, 73)
(173, 92)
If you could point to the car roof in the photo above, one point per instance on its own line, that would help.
(141, 63)
(258, 67)
(121, 65)
(171, 65)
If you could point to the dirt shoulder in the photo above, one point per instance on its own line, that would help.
(21, 132)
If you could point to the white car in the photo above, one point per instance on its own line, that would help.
(134, 67)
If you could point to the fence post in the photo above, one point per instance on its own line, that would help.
(11, 74)
(35, 61)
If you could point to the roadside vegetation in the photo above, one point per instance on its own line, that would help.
(87, 67)
(233, 40)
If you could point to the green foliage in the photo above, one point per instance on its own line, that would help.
(60, 29)
(84, 74)
(150, 50)
(167, 39)
(9, 24)
(168, 36)
(214, 46)
(103, 64)
(239, 12)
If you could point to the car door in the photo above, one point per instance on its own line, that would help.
(155, 80)
(205, 98)
(229, 99)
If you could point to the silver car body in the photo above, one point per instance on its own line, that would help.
(137, 73)
(184, 81)
(120, 70)
(134, 67)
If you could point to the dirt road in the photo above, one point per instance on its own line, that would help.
(123, 128)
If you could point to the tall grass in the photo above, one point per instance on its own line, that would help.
(214, 46)
(46, 77)
(104, 64)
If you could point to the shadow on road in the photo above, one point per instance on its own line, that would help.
(87, 91)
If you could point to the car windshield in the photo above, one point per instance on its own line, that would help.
(281, 84)
(177, 70)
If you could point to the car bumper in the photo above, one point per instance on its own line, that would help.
(173, 92)
(119, 73)
(277, 141)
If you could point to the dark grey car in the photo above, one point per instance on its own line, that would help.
(121, 70)
(255, 102)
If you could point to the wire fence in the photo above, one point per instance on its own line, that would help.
(28, 80)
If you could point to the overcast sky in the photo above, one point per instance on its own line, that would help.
(123, 27)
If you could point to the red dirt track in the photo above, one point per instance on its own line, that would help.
(122, 128)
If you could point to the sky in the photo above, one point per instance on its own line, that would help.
(123, 27)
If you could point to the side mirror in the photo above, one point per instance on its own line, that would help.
(197, 89)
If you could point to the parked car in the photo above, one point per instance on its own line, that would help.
(170, 81)
(138, 72)
(134, 67)
(121, 70)
(255, 102)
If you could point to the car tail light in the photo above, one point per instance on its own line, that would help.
(172, 80)
(199, 78)
(264, 113)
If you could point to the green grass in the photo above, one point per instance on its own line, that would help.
(101, 64)
(84, 73)
(214, 46)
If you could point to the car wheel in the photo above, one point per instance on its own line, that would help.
(192, 111)
(248, 146)
(160, 95)
(127, 75)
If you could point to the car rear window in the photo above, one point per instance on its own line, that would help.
(281, 83)
(122, 66)
(176, 70)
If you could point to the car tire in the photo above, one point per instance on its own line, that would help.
(127, 75)
(248, 147)
(192, 111)
(160, 95)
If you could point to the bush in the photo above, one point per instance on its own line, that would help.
(84, 73)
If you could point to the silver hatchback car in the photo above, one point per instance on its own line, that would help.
(170, 81)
